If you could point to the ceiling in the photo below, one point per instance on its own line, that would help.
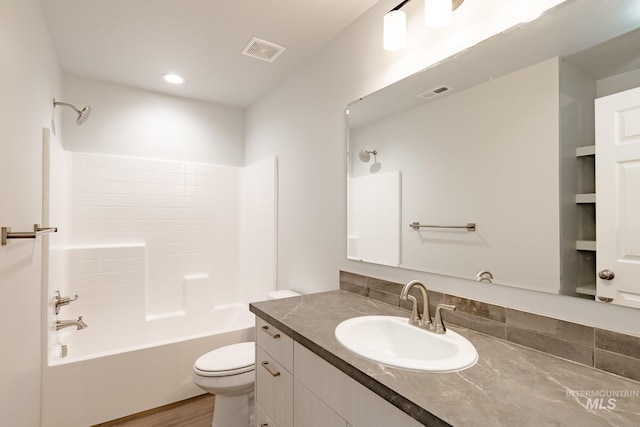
(133, 42)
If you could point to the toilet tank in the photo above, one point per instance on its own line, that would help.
(283, 293)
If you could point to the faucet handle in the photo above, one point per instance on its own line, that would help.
(438, 326)
(414, 319)
(59, 301)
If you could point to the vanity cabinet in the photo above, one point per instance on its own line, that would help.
(353, 402)
(310, 411)
(297, 388)
(274, 377)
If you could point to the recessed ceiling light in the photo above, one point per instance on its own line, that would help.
(173, 78)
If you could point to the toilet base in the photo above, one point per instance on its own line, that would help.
(234, 411)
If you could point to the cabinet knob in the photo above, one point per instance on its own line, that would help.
(606, 274)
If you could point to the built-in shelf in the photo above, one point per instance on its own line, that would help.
(589, 289)
(589, 150)
(586, 198)
(586, 245)
(585, 220)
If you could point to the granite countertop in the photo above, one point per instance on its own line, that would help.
(510, 385)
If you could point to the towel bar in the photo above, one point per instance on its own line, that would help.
(37, 231)
(471, 226)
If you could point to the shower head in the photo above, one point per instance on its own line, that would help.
(365, 155)
(83, 114)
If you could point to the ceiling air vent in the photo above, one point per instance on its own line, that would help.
(262, 49)
(434, 92)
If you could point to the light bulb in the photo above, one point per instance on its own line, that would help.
(395, 30)
(437, 13)
(173, 78)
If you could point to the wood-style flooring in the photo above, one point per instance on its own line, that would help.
(194, 412)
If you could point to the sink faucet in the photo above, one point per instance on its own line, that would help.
(438, 326)
(61, 324)
(414, 319)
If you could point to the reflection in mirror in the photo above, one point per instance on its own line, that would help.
(503, 136)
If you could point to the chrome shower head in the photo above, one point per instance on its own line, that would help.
(365, 155)
(83, 114)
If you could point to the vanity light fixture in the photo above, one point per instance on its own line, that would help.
(437, 13)
(173, 78)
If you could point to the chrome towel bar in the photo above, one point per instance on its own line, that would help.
(471, 226)
(37, 231)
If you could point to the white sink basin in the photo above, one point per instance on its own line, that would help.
(392, 341)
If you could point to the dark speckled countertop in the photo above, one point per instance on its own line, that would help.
(510, 385)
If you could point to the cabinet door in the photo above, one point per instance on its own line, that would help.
(262, 419)
(274, 389)
(310, 411)
(350, 400)
(275, 343)
(618, 197)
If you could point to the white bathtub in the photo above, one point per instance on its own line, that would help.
(106, 377)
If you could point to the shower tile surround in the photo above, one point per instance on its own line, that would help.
(139, 230)
(605, 350)
(185, 213)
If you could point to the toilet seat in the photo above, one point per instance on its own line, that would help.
(230, 360)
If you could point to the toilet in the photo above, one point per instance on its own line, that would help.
(229, 373)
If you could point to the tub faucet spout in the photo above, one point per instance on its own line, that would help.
(61, 324)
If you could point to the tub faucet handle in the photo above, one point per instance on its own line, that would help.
(59, 301)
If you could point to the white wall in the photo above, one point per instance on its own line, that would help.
(133, 122)
(29, 79)
(618, 83)
(302, 121)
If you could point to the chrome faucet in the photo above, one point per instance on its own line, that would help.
(438, 326)
(59, 301)
(414, 319)
(61, 324)
(484, 276)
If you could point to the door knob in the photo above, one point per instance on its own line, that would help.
(606, 274)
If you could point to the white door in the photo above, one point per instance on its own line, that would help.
(618, 198)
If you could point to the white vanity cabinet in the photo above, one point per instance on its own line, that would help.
(274, 377)
(310, 411)
(356, 404)
(307, 391)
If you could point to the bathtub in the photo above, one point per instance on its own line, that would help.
(105, 376)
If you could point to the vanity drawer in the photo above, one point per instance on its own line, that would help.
(274, 389)
(275, 343)
(262, 419)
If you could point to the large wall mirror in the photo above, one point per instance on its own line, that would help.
(487, 166)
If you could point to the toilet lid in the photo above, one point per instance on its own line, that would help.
(229, 360)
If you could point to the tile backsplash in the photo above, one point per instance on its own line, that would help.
(602, 349)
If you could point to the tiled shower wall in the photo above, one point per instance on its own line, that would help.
(186, 214)
(145, 238)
